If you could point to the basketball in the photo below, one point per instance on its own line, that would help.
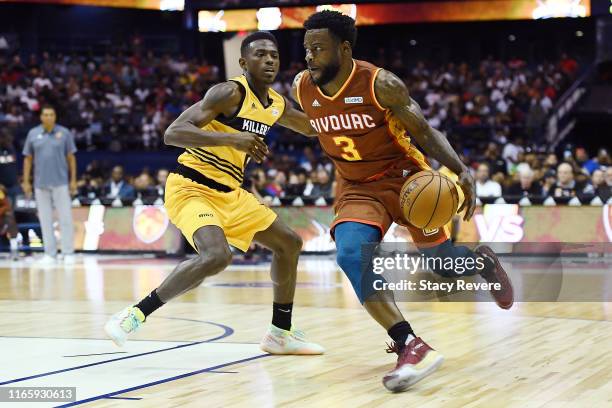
(429, 199)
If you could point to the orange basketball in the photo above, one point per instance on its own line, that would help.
(429, 199)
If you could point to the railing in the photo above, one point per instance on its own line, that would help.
(560, 122)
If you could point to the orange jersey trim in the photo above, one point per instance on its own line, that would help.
(298, 88)
(373, 90)
(367, 222)
(343, 87)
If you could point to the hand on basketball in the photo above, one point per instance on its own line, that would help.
(466, 182)
(251, 144)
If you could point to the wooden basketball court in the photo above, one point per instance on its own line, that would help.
(202, 349)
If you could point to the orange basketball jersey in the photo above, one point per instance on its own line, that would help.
(362, 138)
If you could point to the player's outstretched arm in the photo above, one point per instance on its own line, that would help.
(393, 94)
(295, 119)
(223, 98)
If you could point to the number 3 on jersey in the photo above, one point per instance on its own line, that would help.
(350, 153)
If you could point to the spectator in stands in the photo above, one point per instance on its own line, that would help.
(484, 186)
(590, 165)
(275, 185)
(118, 187)
(511, 153)
(14, 117)
(89, 187)
(548, 181)
(161, 177)
(582, 159)
(598, 186)
(258, 184)
(526, 186)
(565, 186)
(496, 163)
(8, 165)
(569, 66)
(551, 162)
(536, 117)
(150, 131)
(296, 183)
(144, 186)
(323, 186)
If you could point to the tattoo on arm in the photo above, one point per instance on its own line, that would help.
(393, 94)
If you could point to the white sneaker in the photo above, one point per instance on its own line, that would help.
(69, 259)
(279, 341)
(46, 260)
(123, 324)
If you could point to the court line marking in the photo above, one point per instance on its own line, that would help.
(131, 340)
(124, 398)
(165, 380)
(228, 331)
(98, 354)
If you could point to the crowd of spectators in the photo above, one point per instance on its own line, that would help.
(498, 174)
(112, 102)
(488, 110)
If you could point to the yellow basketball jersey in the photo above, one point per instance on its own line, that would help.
(225, 164)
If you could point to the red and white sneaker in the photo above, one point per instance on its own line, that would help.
(415, 361)
(505, 296)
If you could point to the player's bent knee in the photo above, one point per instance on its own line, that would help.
(348, 258)
(214, 261)
(295, 243)
(289, 244)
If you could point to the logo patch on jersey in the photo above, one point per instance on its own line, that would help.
(353, 99)
(430, 231)
(253, 106)
(275, 112)
(316, 104)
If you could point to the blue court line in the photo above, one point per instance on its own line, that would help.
(97, 354)
(227, 331)
(123, 398)
(165, 380)
(107, 339)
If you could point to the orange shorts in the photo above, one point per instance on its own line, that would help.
(377, 203)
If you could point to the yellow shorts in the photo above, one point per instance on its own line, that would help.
(238, 213)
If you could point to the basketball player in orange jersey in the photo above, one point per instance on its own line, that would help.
(365, 120)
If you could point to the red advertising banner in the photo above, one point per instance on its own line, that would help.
(141, 228)
(140, 4)
(274, 18)
(507, 223)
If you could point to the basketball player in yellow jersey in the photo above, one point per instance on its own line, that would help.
(204, 199)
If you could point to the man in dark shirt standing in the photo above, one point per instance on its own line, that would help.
(8, 165)
(9, 189)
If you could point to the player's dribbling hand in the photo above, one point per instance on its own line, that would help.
(466, 182)
(252, 144)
